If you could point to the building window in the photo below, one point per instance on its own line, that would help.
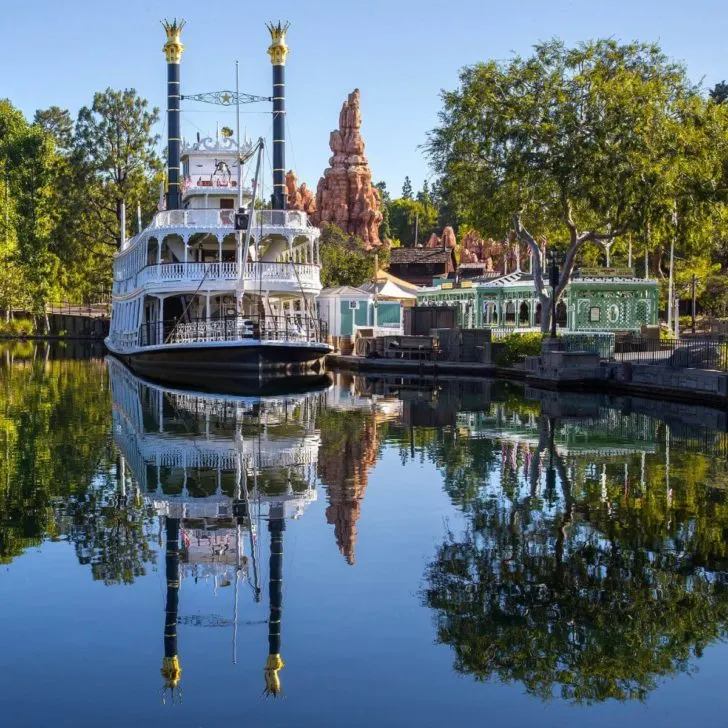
(595, 314)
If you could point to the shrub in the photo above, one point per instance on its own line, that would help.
(17, 327)
(519, 346)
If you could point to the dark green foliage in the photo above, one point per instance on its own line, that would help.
(407, 189)
(344, 259)
(517, 347)
(719, 92)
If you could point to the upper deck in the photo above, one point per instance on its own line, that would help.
(182, 248)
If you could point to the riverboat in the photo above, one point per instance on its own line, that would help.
(216, 286)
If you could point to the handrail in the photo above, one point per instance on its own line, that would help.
(193, 217)
(296, 327)
(309, 273)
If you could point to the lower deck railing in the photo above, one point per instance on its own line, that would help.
(291, 328)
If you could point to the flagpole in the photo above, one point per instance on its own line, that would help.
(239, 245)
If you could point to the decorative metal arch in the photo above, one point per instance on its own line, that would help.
(225, 98)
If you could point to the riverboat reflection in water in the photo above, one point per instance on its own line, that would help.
(564, 552)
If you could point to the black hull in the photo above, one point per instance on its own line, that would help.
(232, 369)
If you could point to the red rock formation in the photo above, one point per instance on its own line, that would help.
(345, 195)
(496, 255)
(433, 242)
(299, 198)
(448, 239)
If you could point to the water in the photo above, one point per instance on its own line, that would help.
(454, 550)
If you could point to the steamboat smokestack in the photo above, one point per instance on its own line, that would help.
(276, 527)
(171, 670)
(278, 50)
(173, 51)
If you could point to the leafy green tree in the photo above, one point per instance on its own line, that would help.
(385, 230)
(577, 145)
(13, 293)
(344, 260)
(719, 92)
(407, 189)
(114, 145)
(423, 196)
(404, 213)
(58, 123)
(30, 159)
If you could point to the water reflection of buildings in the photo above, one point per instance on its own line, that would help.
(214, 468)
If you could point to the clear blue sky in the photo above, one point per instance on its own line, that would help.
(399, 53)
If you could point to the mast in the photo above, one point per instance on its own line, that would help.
(171, 670)
(278, 50)
(253, 198)
(173, 52)
(276, 527)
(237, 136)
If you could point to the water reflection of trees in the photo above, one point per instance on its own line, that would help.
(582, 581)
(111, 531)
(57, 474)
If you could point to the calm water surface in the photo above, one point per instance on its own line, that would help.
(376, 553)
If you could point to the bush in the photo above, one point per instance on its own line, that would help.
(17, 327)
(519, 346)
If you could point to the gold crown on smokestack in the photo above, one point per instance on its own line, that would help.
(278, 50)
(173, 47)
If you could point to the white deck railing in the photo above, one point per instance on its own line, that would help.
(290, 272)
(268, 273)
(226, 218)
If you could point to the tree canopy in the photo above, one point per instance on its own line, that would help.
(63, 184)
(344, 259)
(580, 146)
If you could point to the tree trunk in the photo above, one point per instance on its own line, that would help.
(545, 302)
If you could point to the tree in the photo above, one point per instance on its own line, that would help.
(115, 146)
(344, 260)
(12, 291)
(385, 230)
(423, 196)
(58, 123)
(575, 145)
(404, 213)
(407, 189)
(719, 92)
(30, 164)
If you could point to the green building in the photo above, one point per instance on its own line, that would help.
(596, 299)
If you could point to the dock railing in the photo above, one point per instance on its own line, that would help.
(694, 353)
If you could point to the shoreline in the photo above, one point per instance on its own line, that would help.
(429, 369)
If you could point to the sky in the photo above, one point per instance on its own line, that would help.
(399, 53)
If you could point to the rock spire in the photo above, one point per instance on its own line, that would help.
(345, 195)
(299, 198)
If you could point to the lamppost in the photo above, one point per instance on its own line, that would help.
(554, 282)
